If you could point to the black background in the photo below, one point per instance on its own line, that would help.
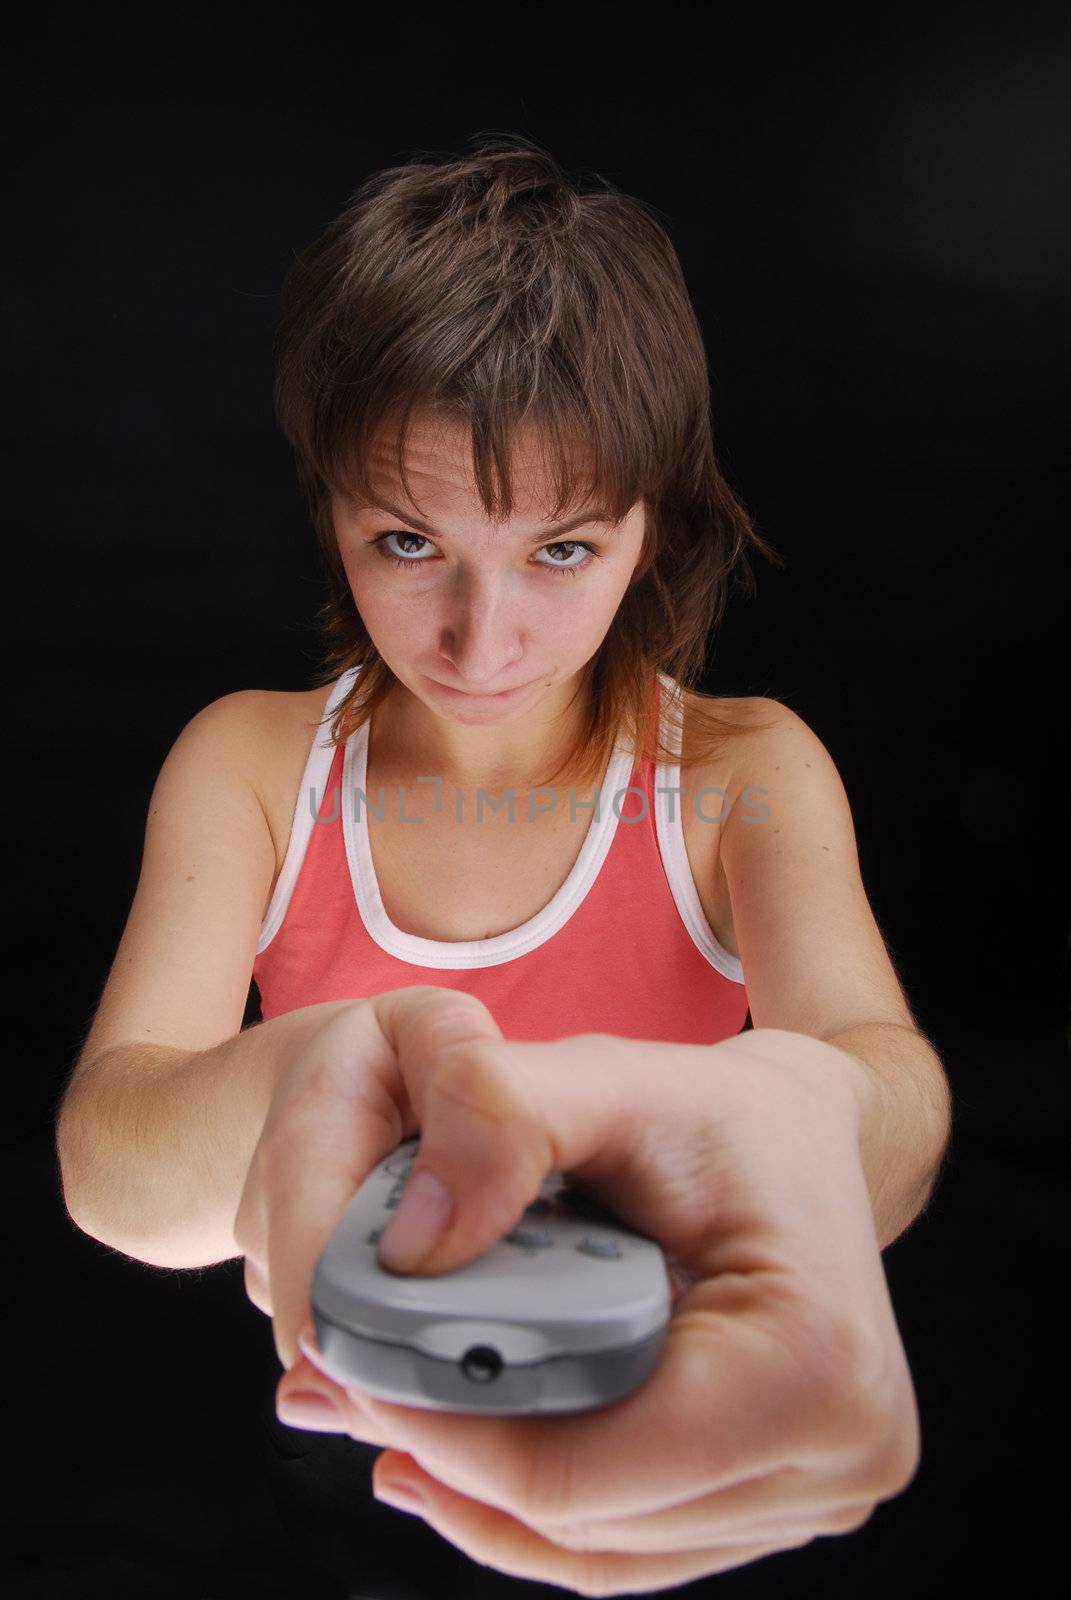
(871, 209)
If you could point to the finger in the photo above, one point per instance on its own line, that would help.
(341, 1121)
(256, 1287)
(496, 1116)
(779, 1508)
(305, 1378)
(752, 1350)
(494, 1538)
(557, 1471)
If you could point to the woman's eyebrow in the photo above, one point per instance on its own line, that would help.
(585, 517)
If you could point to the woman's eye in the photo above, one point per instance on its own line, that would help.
(420, 560)
(569, 544)
(398, 561)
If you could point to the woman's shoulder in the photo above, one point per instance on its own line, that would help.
(743, 717)
(743, 708)
(278, 716)
(278, 727)
(742, 721)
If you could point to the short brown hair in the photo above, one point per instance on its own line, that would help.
(494, 291)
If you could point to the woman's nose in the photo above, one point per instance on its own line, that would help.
(482, 640)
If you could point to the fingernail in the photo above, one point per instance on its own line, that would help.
(419, 1222)
(308, 1409)
(402, 1496)
(306, 1342)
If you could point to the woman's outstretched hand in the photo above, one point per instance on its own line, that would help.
(782, 1408)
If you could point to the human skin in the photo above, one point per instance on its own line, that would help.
(480, 608)
(782, 1407)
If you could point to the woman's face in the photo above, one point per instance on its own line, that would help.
(460, 609)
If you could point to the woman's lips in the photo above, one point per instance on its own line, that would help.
(503, 695)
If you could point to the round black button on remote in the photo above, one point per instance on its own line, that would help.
(481, 1364)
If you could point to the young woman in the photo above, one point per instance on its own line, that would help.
(504, 780)
(497, 396)
(505, 783)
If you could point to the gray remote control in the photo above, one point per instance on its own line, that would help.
(567, 1312)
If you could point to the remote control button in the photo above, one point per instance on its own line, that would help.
(604, 1248)
(529, 1238)
(481, 1364)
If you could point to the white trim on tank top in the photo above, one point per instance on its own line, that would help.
(516, 941)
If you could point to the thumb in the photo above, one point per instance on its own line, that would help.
(496, 1117)
(333, 1120)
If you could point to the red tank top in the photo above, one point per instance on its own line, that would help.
(623, 947)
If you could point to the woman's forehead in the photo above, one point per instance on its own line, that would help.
(438, 466)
